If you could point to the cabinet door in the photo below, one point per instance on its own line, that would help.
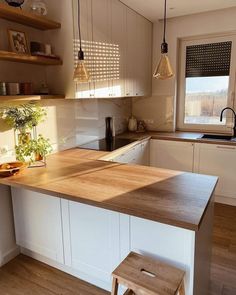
(145, 152)
(85, 90)
(101, 19)
(131, 156)
(118, 32)
(142, 60)
(131, 45)
(148, 58)
(38, 223)
(95, 242)
(218, 160)
(174, 155)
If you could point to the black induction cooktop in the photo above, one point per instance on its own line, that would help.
(107, 144)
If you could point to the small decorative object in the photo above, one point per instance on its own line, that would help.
(18, 42)
(3, 88)
(13, 88)
(141, 126)
(26, 88)
(164, 70)
(15, 3)
(44, 90)
(39, 7)
(36, 48)
(48, 49)
(81, 74)
(132, 125)
(12, 168)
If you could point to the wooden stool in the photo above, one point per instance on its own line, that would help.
(146, 276)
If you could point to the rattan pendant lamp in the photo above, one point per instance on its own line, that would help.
(164, 70)
(81, 74)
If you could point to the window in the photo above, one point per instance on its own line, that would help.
(205, 82)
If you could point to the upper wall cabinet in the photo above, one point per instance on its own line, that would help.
(117, 43)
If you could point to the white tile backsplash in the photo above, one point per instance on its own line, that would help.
(73, 122)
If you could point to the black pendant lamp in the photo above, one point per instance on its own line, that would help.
(164, 70)
(81, 74)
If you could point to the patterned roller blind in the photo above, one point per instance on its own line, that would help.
(208, 59)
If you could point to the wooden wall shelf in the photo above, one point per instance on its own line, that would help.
(29, 97)
(26, 18)
(26, 58)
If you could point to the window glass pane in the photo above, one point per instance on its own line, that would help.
(204, 99)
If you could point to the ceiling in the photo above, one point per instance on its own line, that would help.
(153, 9)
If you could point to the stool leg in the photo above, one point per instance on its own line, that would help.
(114, 287)
(182, 289)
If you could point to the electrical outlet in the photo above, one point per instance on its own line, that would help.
(149, 121)
(4, 150)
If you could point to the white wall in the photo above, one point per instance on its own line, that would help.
(160, 108)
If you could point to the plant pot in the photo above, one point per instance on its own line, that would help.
(38, 157)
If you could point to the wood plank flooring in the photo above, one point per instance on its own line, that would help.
(223, 267)
(26, 276)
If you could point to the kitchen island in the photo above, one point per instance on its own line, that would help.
(84, 215)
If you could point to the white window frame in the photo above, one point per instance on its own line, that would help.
(227, 128)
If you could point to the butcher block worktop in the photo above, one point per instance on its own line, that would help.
(194, 137)
(171, 197)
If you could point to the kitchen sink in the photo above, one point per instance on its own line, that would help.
(218, 137)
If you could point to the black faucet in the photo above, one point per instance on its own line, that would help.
(221, 118)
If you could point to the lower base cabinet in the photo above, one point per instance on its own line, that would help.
(173, 155)
(139, 154)
(218, 160)
(94, 241)
(38, 223)
(89, 242)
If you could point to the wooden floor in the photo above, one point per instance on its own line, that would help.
(223, 267)
(25, 276)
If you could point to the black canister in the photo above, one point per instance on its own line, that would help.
(109, 131)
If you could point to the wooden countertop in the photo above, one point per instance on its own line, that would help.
(171, 197)
(176, 136)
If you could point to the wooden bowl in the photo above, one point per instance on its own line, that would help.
(11, 168)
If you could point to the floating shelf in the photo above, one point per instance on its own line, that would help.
(29, 97)
(30, 59)
(26, 18)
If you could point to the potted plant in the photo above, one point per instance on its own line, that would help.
(34, 150)
(23, 119)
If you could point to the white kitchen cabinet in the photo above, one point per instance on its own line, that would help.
(145, 150)
(118, 32)
(95, 242)
(117, 44)
(131, 54)
(101, 19)
(218, 160)
(85, 90)
(138, 154)
(38, 224)
(173, 155)
(143, 56)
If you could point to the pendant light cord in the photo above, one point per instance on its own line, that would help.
(80, 41)
(164, 34)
